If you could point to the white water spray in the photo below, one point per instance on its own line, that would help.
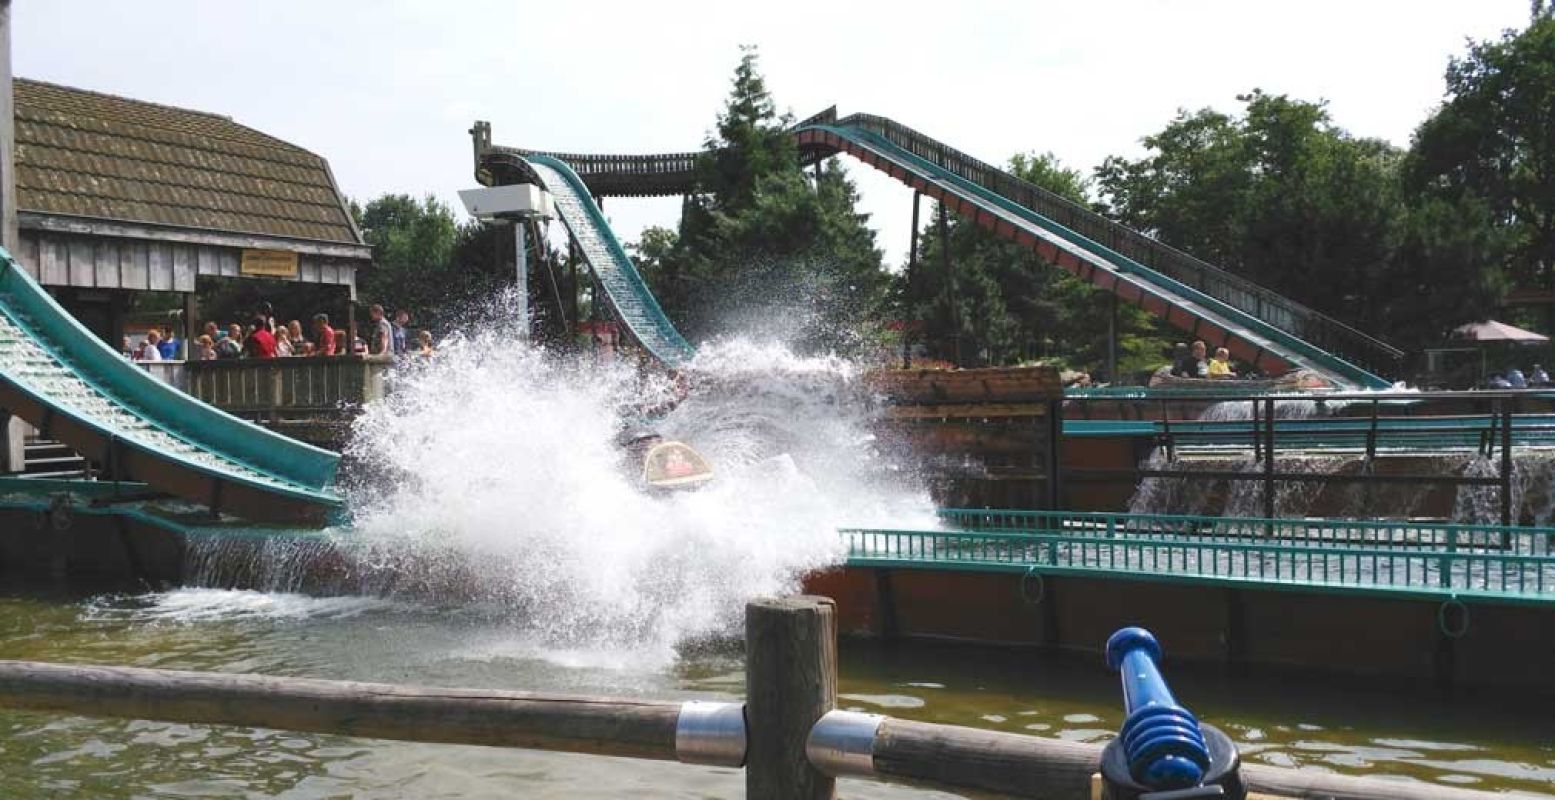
(497, 466)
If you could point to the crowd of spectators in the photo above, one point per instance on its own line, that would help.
(266, 337)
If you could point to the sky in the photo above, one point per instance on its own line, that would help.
(387, 90)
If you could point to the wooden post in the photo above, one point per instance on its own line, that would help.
(191, 325)
(13, 433)
(790, 682)
(8, 234)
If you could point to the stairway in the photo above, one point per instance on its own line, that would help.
(48, 459)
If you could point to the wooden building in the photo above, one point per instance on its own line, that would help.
(116, 197)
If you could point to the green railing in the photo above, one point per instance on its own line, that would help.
(1439, 432)
(1331, 556)
(305, 471)
(1313, 532)
(1327, 334)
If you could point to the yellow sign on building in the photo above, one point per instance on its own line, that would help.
(269, 264)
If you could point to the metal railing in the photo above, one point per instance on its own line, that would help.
(1420, 559)
(1240, 293)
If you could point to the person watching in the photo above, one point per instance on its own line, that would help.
(260, 342)
(149, 350)
(401, 332)
(382, 341)
(231, 345)
(323, 336)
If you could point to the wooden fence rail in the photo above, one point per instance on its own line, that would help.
(798, 741)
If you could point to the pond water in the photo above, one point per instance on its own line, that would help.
(1288, 723)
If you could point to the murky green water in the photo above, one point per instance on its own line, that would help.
(1283, 723)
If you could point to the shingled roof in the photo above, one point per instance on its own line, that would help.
(104, 157)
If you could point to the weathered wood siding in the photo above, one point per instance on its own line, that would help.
(101, 262)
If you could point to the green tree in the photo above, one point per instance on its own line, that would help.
(762, 244)
(1007, 305)
(1282, 196)
(1490, 147)
(413, 245)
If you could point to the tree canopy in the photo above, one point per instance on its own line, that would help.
(762, 245)
(1490, 147)
(1283, 196)
(1007, 305)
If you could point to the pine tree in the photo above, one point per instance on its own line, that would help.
(762, 246)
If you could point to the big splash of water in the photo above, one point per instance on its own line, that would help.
(493, 473)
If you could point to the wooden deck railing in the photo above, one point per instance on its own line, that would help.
(276, 388)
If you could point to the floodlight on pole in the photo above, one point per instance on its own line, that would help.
(520, 204)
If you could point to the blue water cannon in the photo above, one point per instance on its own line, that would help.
(1162, 751)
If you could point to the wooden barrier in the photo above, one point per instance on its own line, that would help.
(797, 742)
(272, 387)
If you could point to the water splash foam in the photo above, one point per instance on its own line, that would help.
(496, 466)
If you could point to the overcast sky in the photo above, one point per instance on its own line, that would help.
(387, 90)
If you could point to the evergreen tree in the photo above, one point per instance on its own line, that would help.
(762, 245)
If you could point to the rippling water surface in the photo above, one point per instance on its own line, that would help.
(1306, 725)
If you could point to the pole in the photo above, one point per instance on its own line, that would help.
(13, 434)
(572, 262)
(1506, 463)
(1112, 338)
(912, 272)
(950, 284)
(521, 278)
(790, 682)
(1268, 460)
(8, 234)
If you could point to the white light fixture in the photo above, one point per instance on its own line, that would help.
(517, 203)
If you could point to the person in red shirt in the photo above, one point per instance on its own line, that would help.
(323, 336)
(261, 343)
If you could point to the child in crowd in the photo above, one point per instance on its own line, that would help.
(1220, 365)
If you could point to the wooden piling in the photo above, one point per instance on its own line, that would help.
(790, 682)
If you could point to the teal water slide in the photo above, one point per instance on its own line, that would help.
(1260, 327)
(65, 381)
(1272, 332)
(624, 287)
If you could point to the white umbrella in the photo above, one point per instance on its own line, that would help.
(1493, 331)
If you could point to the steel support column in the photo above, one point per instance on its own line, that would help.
(950, 284)
(912, 273)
